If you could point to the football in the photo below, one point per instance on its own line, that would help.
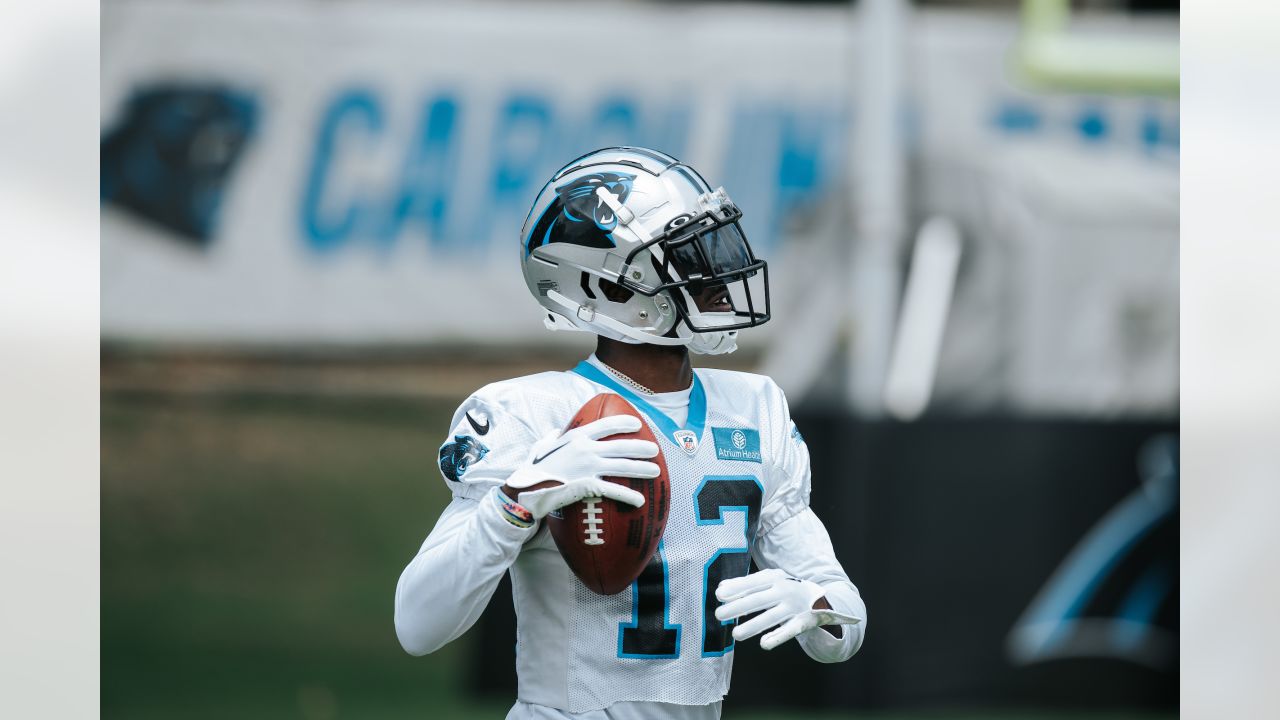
(607, 543)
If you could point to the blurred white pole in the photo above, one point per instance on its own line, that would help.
(925, 306)
(879, 162)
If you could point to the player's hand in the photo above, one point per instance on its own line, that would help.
(579, 460)
(785, 601)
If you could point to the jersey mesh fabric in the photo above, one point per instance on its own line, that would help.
(580, 651)
(687, 678)
(715, 506)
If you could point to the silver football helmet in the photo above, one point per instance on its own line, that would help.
(631, 244)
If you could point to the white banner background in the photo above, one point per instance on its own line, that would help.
(309, 246)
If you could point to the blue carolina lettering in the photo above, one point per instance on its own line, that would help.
(614, 124)
(616, 121)
(805, 142)
(1158, 134)
(1014, 116)
(1092, 124)
(525, 152)
(427, 175)
(746, 177)
(325, 226)
(525, 127)
(671, 135)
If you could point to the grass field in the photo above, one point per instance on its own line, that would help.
(250, 549)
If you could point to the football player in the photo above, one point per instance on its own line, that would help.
(634, 246)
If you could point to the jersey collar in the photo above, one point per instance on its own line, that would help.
(697, 402)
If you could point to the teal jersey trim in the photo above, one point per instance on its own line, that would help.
(697, 402)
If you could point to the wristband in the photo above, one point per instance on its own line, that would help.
(512, 511)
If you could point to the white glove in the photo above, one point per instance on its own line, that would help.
(579, 460)
(786, 602)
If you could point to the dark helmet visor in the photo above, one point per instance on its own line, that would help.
(707, 250)
(712, 253)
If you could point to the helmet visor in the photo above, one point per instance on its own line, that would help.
(713, 253)
(707, 265)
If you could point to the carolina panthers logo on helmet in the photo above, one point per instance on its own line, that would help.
(579, 215)
(457, 456)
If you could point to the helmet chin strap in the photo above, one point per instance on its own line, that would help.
(596, 318)
(708, 343)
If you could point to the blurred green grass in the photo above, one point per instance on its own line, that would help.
(250, 550)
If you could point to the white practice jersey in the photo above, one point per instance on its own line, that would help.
(739, 473)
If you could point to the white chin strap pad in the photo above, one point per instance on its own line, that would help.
(721, 342)
(711, 342)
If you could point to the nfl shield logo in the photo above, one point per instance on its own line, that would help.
(687, 440)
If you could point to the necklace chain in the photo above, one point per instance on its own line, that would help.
(629, 381)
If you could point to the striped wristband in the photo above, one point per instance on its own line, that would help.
(512, 511)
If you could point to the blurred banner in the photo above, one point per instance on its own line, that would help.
(357, 172)
(354, 173)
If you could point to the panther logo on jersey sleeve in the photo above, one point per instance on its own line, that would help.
(462, 453)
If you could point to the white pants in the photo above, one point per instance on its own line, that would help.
(619, 711)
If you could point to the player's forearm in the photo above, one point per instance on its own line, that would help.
(822, 645)
(446, 587)
(801, 547)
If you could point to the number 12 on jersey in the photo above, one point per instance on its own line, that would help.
(651, 634)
